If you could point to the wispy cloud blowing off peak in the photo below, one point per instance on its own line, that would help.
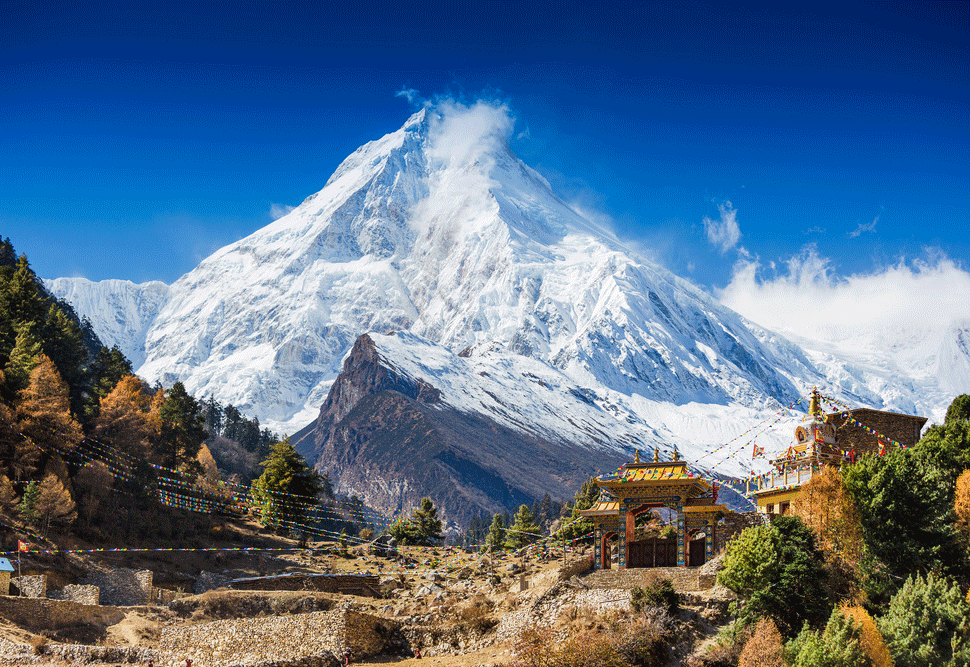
(808, 297)
(723, 233)
(464, 133)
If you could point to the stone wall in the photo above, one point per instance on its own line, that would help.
(78, 593)
(346, 584)
(122, 587)
(210, 581)
(44, 614)
(733, 524)
(902, 428)
(4, 583)
(311, 638)
(684, 579)
(581, 566)
(31, 586)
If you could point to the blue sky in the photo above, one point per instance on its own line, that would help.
(137, 139)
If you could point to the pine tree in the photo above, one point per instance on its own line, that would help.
(286, 493)
(54, 504)
(181, 430)
(927, 623)
(777, 570)
(109, 367)
(123, 419)
(524, 531)
(496, 534)
(21, 301)
(45, 410)
(24, 357)
(577, 526)
(423, 528)
(28, 502)
(838, 645)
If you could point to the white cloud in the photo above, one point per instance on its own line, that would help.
(723, 233)
(808, 298)
(277, 211)
(462, 134)
(410, 94)
(867, 227)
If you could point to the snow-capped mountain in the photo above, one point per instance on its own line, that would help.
(120, 311)
(509, 299)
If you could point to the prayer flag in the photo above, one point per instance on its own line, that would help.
(22, 546)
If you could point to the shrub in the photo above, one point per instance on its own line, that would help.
(614, 641)
(838, 645)
(777, 570)
(927, 623)
(658, 592)
(765, 648)
(476, 616)
(39, 644)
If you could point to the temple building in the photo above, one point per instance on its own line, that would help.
(638, 487)
(832, 439)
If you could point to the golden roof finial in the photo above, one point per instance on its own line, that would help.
(656, 455)
(676, 454)
(814, 407)
(636, 457)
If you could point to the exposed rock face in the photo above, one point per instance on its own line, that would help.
(392, 440)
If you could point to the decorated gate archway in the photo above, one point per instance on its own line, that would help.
(638, 487)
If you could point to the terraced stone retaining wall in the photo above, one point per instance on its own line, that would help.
(122, 587)
(311, 638)
(44, 614)
(31, 586)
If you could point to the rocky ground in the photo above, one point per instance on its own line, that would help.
(460, 609)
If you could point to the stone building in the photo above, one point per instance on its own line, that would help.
(6, 568)
(834, 439)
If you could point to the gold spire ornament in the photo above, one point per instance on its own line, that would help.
(636, 456)
(656, 455)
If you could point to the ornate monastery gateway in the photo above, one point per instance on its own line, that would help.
(640, 487)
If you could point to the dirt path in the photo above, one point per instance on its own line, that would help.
(493, 655)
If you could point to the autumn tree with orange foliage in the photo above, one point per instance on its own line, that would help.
(825, 506)
(123, 418)
(45, 409)
(870, 639)
(961, 505)
(54, 504)
(765, 648)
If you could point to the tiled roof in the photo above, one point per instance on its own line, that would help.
(602, 507)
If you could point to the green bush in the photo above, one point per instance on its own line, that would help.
(777, 571)
(838, 645)
(928, 624)
(658, 592)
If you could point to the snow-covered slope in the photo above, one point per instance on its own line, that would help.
(437, 229)
(120, 310)
(452, 237)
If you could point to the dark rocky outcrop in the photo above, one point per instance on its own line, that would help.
(389, 439)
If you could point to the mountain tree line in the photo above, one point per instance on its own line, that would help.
(64, 396)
